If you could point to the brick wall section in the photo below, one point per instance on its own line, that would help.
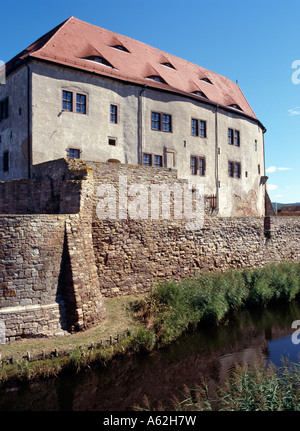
(54, 268)
(131, 255)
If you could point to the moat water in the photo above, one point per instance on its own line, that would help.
(211, 353)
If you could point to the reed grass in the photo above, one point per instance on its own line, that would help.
(172, 308)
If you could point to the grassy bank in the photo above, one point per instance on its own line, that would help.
(172, 308)
(154, 320)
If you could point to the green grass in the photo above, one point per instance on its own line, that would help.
(256, 389)
(172, 308)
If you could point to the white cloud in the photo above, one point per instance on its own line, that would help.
(272, 187)
(278, 196)
(294, 111)
(272, 169)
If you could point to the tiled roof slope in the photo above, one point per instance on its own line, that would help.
(74, 41)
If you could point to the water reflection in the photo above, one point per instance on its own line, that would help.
(210, 354)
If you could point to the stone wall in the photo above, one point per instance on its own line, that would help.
(56, 268)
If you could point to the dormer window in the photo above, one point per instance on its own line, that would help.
(206, 80)
(120, 48)
(168, 65)
(99, 59)
(156, 78)
(200, 93)
(235, 106)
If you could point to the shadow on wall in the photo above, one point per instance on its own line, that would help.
(65, 296)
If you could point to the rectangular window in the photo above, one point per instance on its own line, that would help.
(147, 159)
(67, 101)
(158, 161)
(4, 109)
(202, 129)
(81, 103)
(198, 128)
(234, 169)
(198, 166)
(194, 127)
(161, 122)
(167, 123)
(201, 162)
(258, 168)
(6, 161)
(155, 125)
(114, 114)
(230, 136)
(74, 102)
(74, 153)
(236, 138)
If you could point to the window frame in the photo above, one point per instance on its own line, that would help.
(152, 160)
(232, 165)
(234, 137)
(74, 149)
(74, 101)
(199, 171)
(116, 115)
(199, 128)
(160, 121)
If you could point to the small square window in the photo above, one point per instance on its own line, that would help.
(112, 141)
(73, 153)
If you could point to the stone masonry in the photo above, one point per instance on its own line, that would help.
(58, 258)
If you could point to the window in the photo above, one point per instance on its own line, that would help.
(168, 65)
(114, 114)
(99, 59)
(120, 48)
(166, 123)
(161, 122)
(74, 102)
(74, 153)
(112, 141)
(4, 109)
(198, 128)
(234, 137)
(255, 145)
(81, 103)
(198, 166)
(200, 93)
(234, 169)
(156, 78)
(6, 161)
(67, 101)
(158, 161)
(258, 169)
(152, 160)
(147, 159)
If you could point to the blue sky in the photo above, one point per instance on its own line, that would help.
(253, 41)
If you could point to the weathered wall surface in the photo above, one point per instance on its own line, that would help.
(54, 268)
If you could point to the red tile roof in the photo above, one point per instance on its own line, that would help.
(73, 41)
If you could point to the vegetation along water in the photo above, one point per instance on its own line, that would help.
(207, 303)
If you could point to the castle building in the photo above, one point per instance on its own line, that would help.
(84, 92)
